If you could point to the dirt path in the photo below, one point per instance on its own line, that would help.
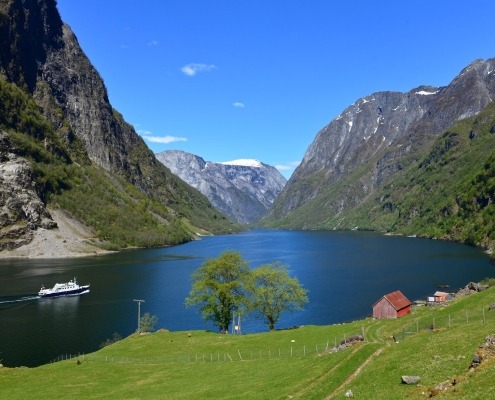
(353, 375)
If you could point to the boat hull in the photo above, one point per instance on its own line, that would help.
(72, 292)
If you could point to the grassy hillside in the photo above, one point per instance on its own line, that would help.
(435, 343)
(445, 192)
(121, 215)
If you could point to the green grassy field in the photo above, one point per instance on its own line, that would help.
(435, 343)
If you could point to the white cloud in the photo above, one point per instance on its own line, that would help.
(193, 68)
(164, 139)
(288, 166)
(153, 43)
(238, 104)
(148, 136)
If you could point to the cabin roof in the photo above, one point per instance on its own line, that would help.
(397, 300)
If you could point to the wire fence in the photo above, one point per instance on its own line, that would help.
(293, 351)
(443, 320)
(447, 320)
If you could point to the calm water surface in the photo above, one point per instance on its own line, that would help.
(345, 273)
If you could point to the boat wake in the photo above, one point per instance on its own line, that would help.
(18, 299)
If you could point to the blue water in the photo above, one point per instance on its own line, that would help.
(345, 273)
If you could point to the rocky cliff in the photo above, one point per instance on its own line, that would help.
(243, 190)
(41, 55)
(21, 209)
(371, 141)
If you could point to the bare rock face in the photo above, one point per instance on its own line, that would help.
(21, 209)
(40, 56)
(243, 190)
(372, 138)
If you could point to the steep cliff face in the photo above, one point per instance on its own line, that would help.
(243, 190)
(375, 138)
(41, 55)
(21, 209)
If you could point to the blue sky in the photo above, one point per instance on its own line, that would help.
(230, 79)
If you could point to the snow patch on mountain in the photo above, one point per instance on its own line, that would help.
(425, 93)
(242, 189)
(243, 162)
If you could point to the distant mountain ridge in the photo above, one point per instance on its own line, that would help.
(241, 189)
(370, 144)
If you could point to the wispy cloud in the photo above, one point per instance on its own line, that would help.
(147, 135)
(238, 104)
(152, 43)
(288, 166)
(193, 68)
(164, 139)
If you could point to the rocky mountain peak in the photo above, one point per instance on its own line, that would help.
(242, 189)
(381, 129)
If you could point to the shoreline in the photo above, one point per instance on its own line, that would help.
(70, 239)
(73, 239)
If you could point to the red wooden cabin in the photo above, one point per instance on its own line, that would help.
(392, 305)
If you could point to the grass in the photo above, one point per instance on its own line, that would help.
(281, 364)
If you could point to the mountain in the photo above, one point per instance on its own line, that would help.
(355, 162)
(242, 189)
(56, 120)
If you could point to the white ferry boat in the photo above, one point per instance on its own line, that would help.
(64, 289)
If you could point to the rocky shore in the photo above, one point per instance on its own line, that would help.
(69, 239)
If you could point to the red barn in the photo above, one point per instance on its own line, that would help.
(392, 305)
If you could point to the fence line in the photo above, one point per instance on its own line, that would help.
(463, 317)
(293, 351)
(447, 320)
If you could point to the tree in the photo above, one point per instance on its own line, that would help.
(275, 292)
(219, 288)
(147, 323)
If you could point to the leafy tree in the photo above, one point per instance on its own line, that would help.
(219, 288)
(275, 292)
(147, 323)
